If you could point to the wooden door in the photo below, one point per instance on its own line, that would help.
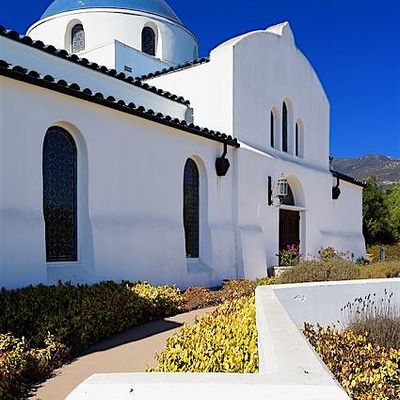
(289, 228)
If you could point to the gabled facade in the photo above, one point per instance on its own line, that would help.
(167, 176)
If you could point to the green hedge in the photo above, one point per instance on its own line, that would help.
(222, 341)
(78, 316)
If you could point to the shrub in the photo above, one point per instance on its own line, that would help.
(381, 270)
(222, 341)
(392, 252)
(377, 317)
(318, 271)
(266, 281)
(76, 317)
(79, 316)
(20, 364)
(365, 370)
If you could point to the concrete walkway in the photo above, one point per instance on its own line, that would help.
(131, 351)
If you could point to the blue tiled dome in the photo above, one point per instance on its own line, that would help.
(157, 7)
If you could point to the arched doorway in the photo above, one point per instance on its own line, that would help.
(289, 223)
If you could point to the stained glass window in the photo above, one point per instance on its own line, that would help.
(191, 208)
(284, 128)
(60, 195)
(148, 41)
(77, 38)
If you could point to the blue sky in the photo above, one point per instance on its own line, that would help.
(354, 45)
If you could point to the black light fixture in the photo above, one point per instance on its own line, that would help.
(222, 163)
(336, 192)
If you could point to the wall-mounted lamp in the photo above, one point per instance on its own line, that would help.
(281, 190)
(336, 190)
(222, 163)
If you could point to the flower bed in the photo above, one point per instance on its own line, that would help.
(366, 370)
(222, 341)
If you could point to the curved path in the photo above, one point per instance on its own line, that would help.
(131, 351)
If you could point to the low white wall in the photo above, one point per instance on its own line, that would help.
(322, 302)
(283, 309)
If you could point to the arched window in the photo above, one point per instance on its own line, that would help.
(284, 127)
(272, 130)
(77, 38)
(148, 41)
(191, 209)
(59, 167)
(297, 140)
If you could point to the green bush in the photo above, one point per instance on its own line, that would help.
(222, 341)
(319, 271)
(79, 316)
(21, 364)
(364, 369)
(76, 317)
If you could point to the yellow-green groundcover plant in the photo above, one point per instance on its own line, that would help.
(222, 341)
(42, 327)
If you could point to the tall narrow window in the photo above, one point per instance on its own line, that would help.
(148, 41)
(191, 209)
(272, 130)
(297, 133)
(59, 167)
(284, 127)
(77, 38)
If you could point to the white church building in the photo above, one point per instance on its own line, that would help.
(125, 157)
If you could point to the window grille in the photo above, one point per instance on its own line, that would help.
(148, 41)
(60, 195)
(77, 38)
(272, 128)
(191, 209)
(284, 128)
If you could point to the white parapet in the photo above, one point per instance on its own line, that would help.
(289, 367)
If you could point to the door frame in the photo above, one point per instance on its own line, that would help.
(302, 227)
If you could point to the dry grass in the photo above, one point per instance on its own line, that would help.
(381, 270)
(319, 271)
(377, 317)
(392, 252)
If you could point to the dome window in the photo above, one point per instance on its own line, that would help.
(77, 38)
(148, 41)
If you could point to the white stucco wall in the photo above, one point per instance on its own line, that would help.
(175, 43)
(209, 88)
(130, 194)
(270, 69)
(323, 221)
(33, 59)
(136, 210)
(246, 78)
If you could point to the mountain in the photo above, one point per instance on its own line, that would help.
(385, 169)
